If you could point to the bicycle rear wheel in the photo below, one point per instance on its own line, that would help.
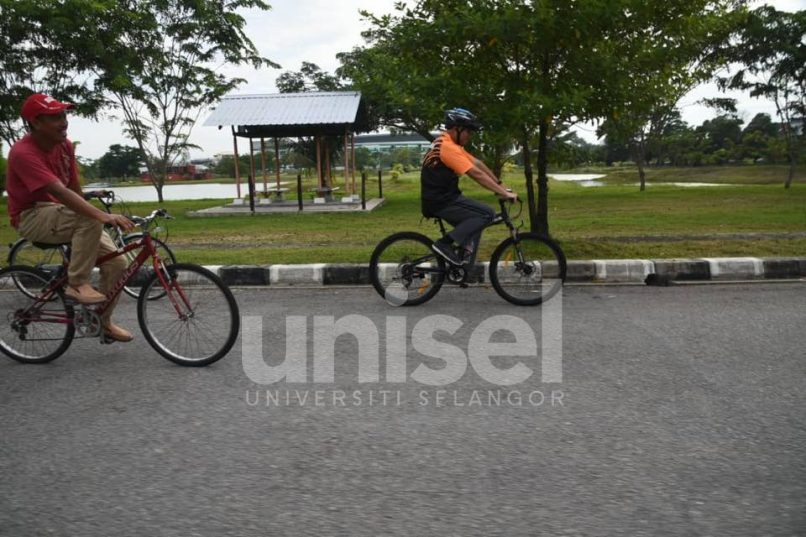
(405, 271)
(33, 330)
(195, 322)
(48, 260)
(528, 271)
(134, 286)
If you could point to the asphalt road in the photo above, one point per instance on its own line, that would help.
(680, 412)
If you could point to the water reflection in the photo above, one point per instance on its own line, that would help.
(175, 192)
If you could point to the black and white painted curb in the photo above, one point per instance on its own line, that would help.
(659, 272)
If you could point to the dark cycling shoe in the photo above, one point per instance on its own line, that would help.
(445, 250)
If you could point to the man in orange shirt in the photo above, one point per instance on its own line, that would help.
(440, 196)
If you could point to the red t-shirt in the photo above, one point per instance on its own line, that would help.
(31, 168)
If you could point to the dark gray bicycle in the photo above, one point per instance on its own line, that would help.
(525, 269)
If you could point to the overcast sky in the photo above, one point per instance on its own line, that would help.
(294, 31)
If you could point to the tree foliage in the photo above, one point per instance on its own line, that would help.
(167, 75)
(309, 78)
(529, 68)
(50, 48)
(120, 161)
(155, 60)
(771, 52)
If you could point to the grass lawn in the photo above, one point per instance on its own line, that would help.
(615, 221)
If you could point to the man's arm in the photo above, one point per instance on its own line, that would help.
(485, 177)
(75, 201)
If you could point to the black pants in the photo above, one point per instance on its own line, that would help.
(468, 218)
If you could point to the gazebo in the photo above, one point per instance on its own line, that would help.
(293, 115)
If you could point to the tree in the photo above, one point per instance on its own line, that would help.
(2, 171)
(160, 70)
(120, 161)
(87, 168)
(674, 48)
(309, 78)
(50, 47)
(226, 165)
(772, 53)
(529, 69)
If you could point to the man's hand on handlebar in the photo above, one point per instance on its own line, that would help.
(119, 220)
(509, 195)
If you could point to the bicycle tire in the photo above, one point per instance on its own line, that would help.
(24, 253)
(165, 253)
(529, 271)
(196, 337)
(393, 276)
(33, 331)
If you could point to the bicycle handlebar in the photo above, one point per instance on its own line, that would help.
(106, 197)
(144, 221)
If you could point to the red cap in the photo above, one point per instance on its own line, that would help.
(39, 103)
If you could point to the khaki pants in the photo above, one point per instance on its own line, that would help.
(54, 223)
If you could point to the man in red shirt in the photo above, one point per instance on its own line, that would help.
(46, 204)
(440, 196)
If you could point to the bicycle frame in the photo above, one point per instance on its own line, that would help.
(147, 251)
(500, 218)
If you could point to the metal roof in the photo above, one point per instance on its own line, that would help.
(288, 114)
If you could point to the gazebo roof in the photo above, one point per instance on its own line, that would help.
(291, 114)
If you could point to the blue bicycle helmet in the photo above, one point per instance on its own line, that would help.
(459, 117)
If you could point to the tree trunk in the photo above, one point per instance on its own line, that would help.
(639, 150)
(160, 182)
(530, 186)
(793, 155)
(542, 179)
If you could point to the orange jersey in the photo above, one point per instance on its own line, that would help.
(444, 162)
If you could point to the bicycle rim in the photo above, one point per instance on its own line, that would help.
(47, 260)
(529, 271)
(32, 330)
(133, 288)
(404, 270)
(195, 322)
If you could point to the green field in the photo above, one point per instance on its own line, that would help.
(615, 221)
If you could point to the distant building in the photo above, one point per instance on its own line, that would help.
(182, 172)
(388, 142)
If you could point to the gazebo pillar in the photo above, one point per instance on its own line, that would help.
(263, 164)
(277, 161)
(237, 167)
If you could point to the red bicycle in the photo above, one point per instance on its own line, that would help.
(187, 313)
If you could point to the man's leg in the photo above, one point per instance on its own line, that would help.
(468, 216)
(111, 271)
(55, 223)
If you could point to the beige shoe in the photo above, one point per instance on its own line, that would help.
(116, 333)
(84, 294)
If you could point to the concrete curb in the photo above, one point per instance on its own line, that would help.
(658, 271)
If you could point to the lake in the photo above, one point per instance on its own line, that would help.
(175, 192)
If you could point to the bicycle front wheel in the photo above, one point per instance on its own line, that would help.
(529, 270)
(405, 271)
(48, 260)
(33, 330)
(134, 286)
(195, 321)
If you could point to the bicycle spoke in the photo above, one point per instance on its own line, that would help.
(404, 270)
(195, 321)
(32, 330)
(529, 271)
